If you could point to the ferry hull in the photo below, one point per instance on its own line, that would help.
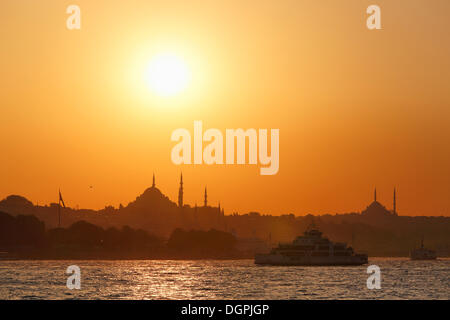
(281, 260)
(426, 258)
(423, 257)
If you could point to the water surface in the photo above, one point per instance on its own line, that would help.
(222, 279)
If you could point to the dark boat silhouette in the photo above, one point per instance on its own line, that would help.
(423, 253)
(312, 249)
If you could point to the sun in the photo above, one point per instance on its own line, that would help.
(167, 74)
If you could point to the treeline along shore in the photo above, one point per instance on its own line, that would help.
(25, 237)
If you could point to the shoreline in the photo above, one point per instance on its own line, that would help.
(173, 258)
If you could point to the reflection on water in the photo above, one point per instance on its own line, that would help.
(237, 279)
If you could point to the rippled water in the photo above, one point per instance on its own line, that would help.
(235, 279)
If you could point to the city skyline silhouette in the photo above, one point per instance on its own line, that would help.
(92, 110)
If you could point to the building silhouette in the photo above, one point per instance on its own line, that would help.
(376, 209)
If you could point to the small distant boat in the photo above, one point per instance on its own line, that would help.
(312, 249)
(423, 253)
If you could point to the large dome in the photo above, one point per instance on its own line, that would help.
(376, 209)
(151, 198)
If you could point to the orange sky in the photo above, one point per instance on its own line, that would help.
(355, 108)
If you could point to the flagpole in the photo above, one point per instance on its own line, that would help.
(59, 209)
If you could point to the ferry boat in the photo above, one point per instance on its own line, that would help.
(312, 249)
(423, 253)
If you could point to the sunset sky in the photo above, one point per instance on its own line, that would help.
(356, 108)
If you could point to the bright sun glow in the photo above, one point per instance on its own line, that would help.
(167, 74)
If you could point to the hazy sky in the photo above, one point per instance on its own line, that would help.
(356, 108)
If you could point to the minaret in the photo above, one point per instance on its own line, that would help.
(206, 198)
(153, 184)
(195, 215)
(375, 195)
(180, 192)
(395, 204)
(218, 217)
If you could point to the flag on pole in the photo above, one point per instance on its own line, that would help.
(61, 199)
